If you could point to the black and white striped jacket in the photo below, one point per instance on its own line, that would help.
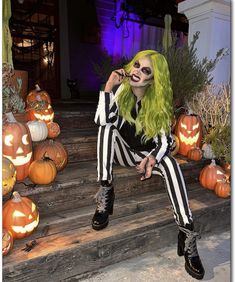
(107, 112)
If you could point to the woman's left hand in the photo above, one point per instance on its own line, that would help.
(146, 166)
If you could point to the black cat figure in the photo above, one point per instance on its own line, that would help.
(72, 84)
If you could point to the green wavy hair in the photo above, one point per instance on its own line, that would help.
(156, 105)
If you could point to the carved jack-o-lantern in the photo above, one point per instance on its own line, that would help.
(40, 111)
(38, 95)
(7, 242)
(8, 176)
(189, 131)
(20, 216)
(17, 145)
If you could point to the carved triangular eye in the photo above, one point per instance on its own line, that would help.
(183, 125)
(195, 126)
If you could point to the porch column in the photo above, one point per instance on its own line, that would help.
(212, 19)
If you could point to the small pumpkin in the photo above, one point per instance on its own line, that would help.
(195, 154)
(17, 145)
(38, 130)
(38, 95)
(54, 150)
(175, 145)
(7, 242)
(20, 216)
(8, 176)
(40, 111)
(210, 175)
(189, 131)
(53, 129)
(223, 189)
(42, 171)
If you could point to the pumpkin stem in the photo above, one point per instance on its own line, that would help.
(213, 162)
(16, 197)
(10, 117)
(37, 88)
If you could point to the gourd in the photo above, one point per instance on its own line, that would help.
(38, 130)
(8, 176)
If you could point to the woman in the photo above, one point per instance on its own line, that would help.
(134, 130)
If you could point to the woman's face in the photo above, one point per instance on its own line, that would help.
(141, 73)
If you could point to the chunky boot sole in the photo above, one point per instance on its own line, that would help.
(105, 224)
(193, 274)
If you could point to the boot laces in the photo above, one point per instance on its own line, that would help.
(190, 242)
(101, 199)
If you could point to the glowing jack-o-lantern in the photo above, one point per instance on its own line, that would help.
(7, 242)
(40, 110)
(17, 146)
(189, 131)
(8, 176)
(210, 175)
(20, 216)
(38, 95)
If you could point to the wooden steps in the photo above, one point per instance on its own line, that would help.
(73, 252)
(67, 247)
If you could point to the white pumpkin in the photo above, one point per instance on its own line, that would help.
(207, 151)
(38, 130)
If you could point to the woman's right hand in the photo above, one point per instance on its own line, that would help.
(114, 79)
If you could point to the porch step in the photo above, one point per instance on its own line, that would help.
(79, 143)
(74, 250)
(76, 185)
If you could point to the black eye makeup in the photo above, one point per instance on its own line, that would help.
(145, 70)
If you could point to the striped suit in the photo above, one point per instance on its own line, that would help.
(112, 148)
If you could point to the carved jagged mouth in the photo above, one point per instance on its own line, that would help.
(44, 117)
(27, 228)
(20, 160)
(189, 140)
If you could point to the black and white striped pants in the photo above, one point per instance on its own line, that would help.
(111, 148)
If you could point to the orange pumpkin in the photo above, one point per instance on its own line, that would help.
(40, 111)
(175, 145)
(195, 154)
(17, 146)
(54, 150)
(189, 131)
(53, 129)
(222, 189)
(7, 242)
(210, 175)
(42, 171)
(38, 95)
(20, 216)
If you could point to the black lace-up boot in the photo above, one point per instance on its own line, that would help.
(187, 247)
(105, 199)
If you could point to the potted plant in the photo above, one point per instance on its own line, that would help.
(213, 106)
(11, 100)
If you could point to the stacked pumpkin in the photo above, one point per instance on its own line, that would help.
(29, 150)
(49, 155)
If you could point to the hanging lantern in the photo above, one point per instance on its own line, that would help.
(17, 145)
(8, 176)
(20, 216)
(189, 131)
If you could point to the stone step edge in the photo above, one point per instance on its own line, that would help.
(80, 236)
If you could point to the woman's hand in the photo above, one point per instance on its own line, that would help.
(114, 79)
(146, 166)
